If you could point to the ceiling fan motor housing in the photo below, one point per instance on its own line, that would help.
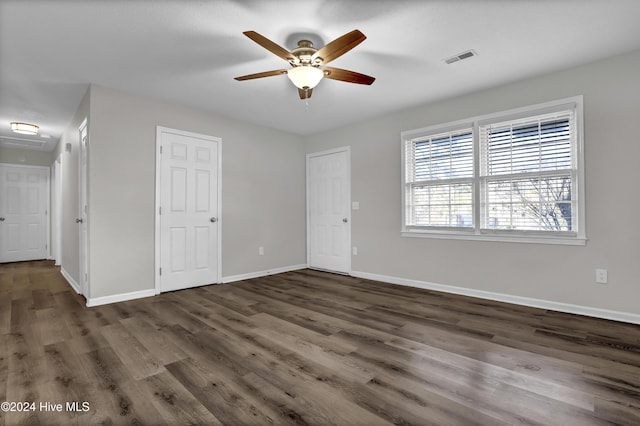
(304, 52)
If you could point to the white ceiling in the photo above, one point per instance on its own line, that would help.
(188, 52)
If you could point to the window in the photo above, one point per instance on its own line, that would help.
(513, 176)
(441, 180)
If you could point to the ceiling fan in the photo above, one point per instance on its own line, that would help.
(309, 63)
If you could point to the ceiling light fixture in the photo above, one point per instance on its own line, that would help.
(24, 128)
(305, 76)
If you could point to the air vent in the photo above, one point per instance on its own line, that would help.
(465, 55)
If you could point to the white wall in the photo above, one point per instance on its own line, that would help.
(563, 274)
(263, 184)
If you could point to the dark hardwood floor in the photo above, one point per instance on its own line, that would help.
(306, 347)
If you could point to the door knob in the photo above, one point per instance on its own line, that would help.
(345, 220)
(78, 220)
(213, 220)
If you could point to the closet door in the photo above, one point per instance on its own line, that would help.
(188, 210)
(328, 202)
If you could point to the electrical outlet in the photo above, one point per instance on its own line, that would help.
(354, 250)
(601, 276)
(260, 251)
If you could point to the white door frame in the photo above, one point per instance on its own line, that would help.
(83, 210)
(347, 150)
(159, 131)
(56, 211)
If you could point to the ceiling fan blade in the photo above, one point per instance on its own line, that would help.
(261, 74)
(346, 75)
(305, 93)
(270, 46)
(339, 46)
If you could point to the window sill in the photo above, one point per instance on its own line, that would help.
(526, 239)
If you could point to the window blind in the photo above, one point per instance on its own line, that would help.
(528, 173)
(439, 181)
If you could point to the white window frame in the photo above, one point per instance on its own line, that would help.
(574, 237)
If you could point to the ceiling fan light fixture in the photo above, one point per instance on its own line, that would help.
(24, 128)
(305, 76)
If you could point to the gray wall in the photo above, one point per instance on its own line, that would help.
(556, 273)
(69, 166)
(263, 191)
(27, 157)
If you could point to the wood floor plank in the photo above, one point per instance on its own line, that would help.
(421, 406)
(176, 404)
(4, 371)
(231, 398)
(288, 311)
(50, 327)
(267, 323)
(398, 407)
(42, 299)
(115, 397)
(462, 386)
(139, 361)
(156, 342)
(135, 407)
(494, 353)
(206, 347)
(171, 308)
(336, 409)
(27, 368)
(217, 315)
(5, 311)
(320, 353)
(63, 381)
(532, 380)
(23, 314)
(618, 412)
(308, 347)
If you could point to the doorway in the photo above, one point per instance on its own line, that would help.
(328, 212)
(188, 209)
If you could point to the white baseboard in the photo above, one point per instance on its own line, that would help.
(500, 297)
(259, 274)
(71, 281)
(97, 301)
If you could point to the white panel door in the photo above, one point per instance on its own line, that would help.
(23, 213)
(328, 202)
(188, 210)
